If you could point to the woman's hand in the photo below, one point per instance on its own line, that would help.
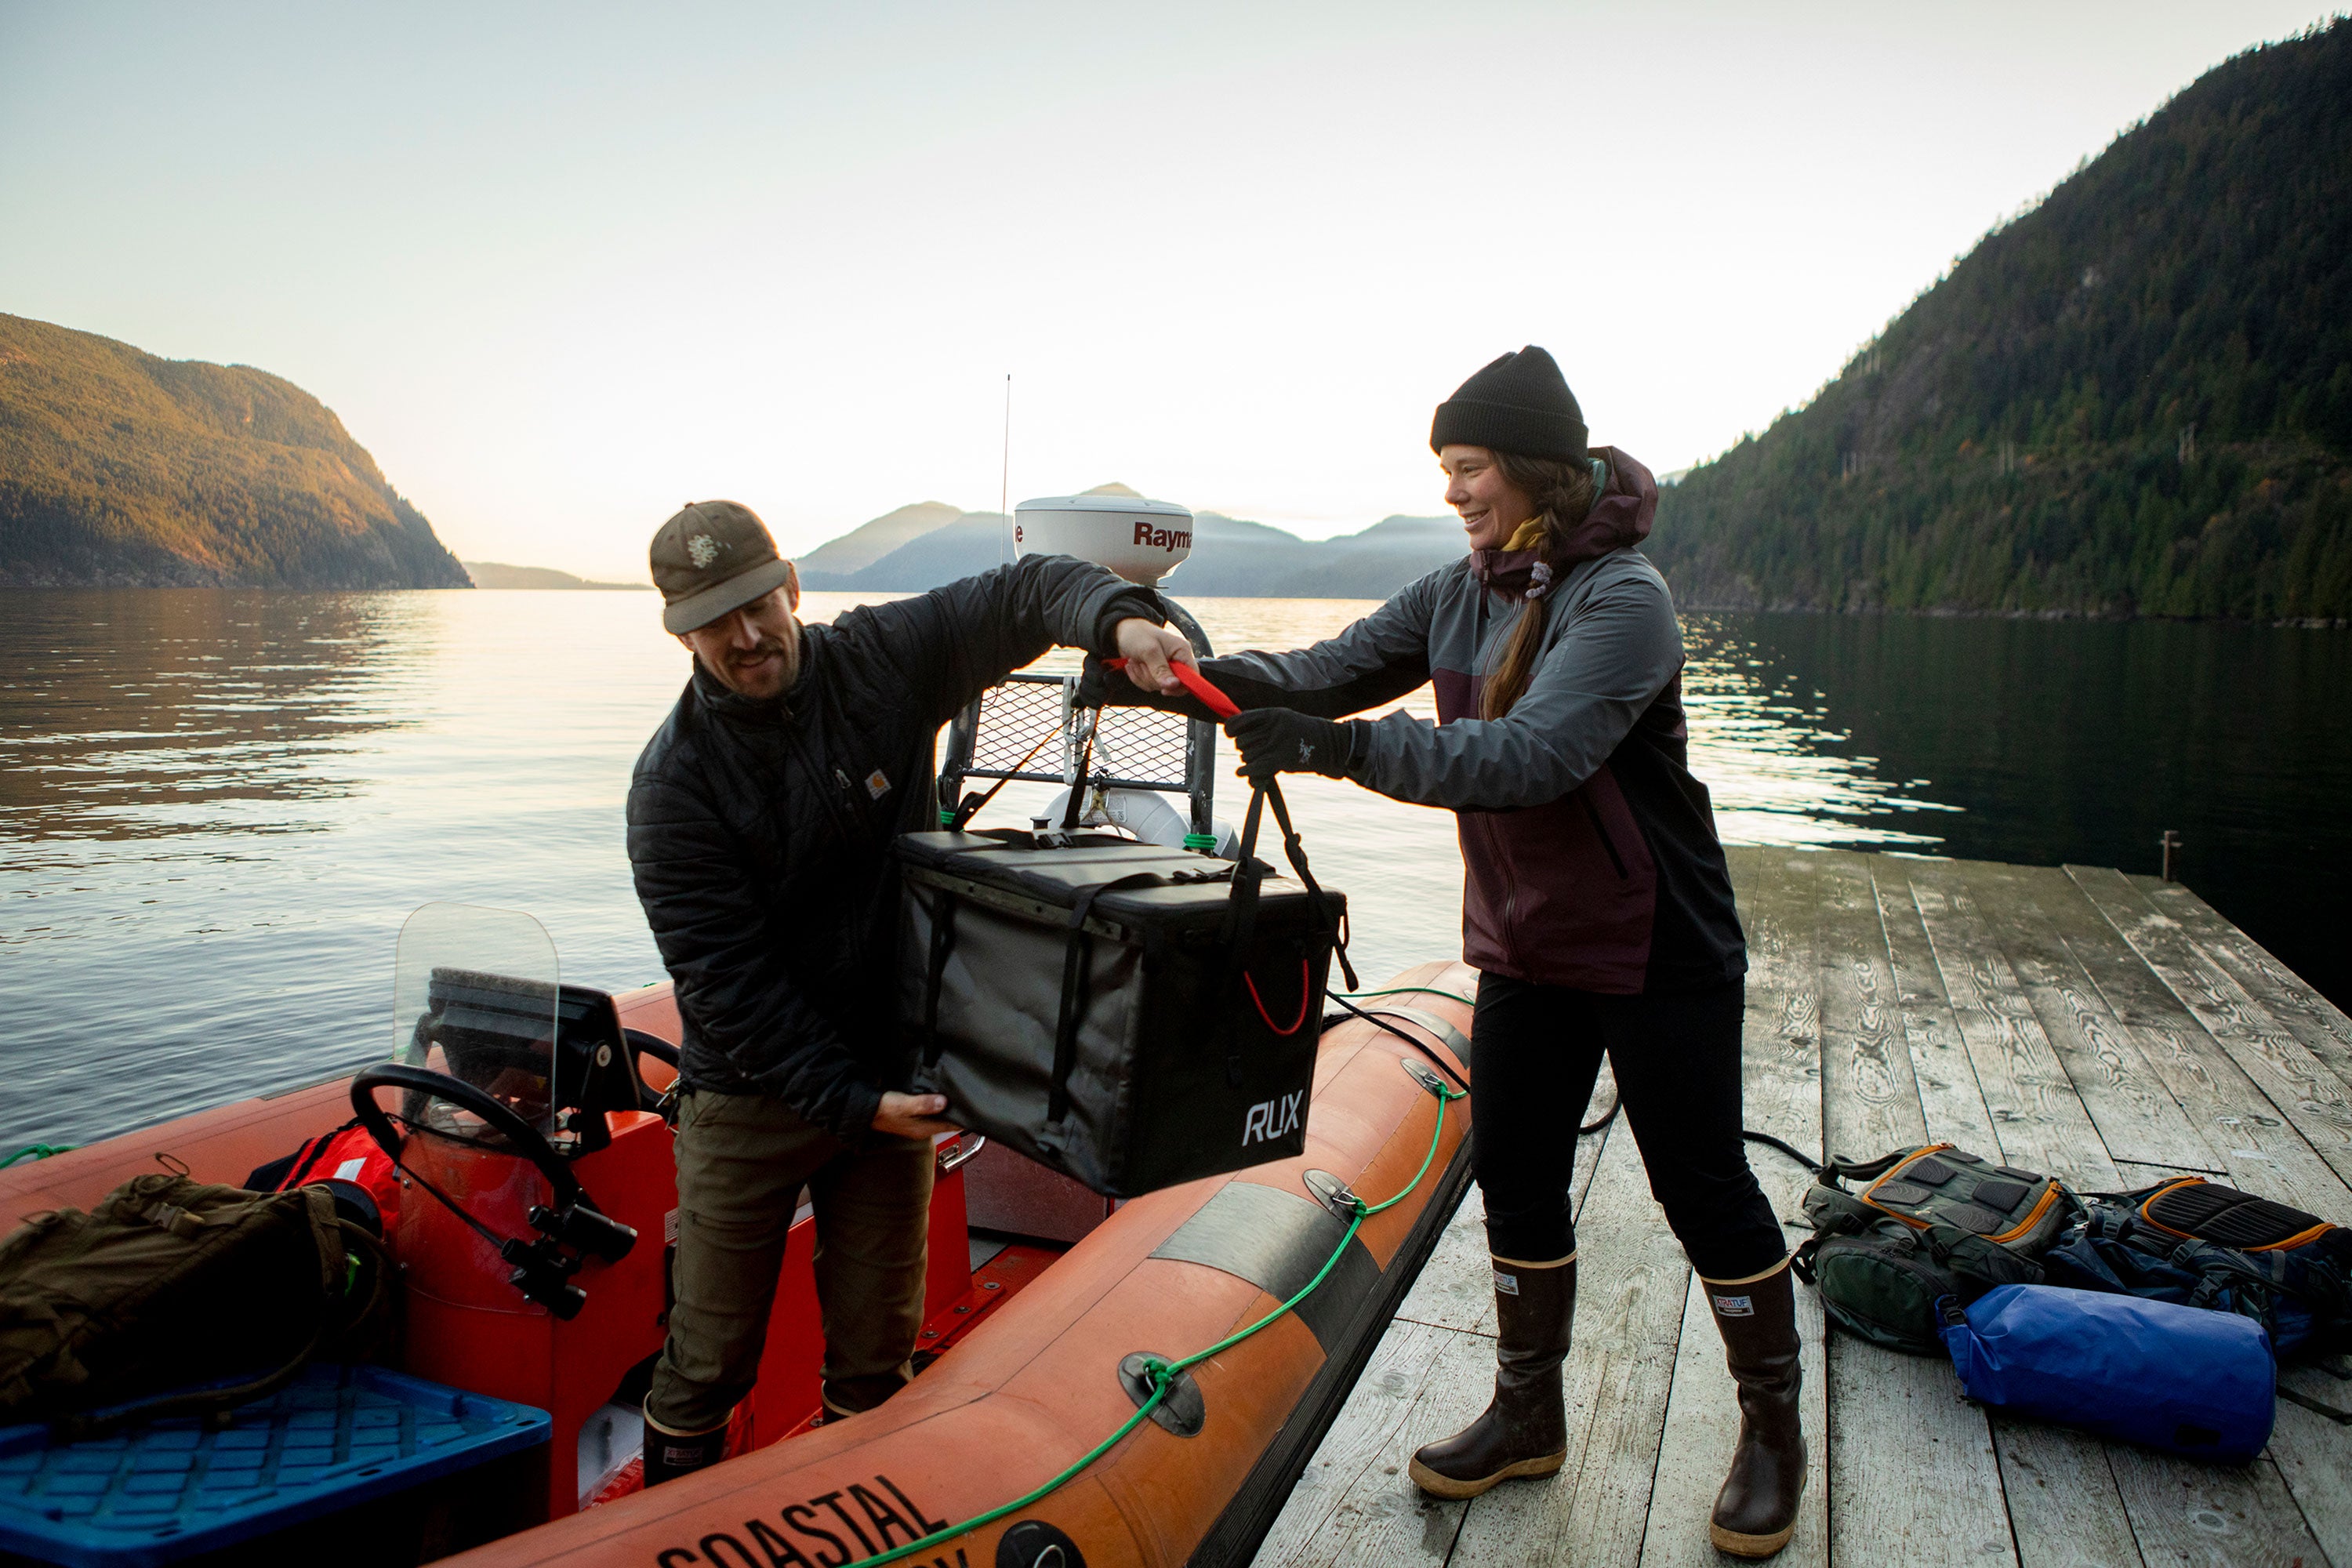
(1149, 651)
(1277, 741)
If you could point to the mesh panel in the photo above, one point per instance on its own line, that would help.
(1138, 745)
(1013, 718)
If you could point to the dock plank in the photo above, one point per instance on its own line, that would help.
(2249, 1139)
(1913, 1474)
(2305, 1092)
(2290, 999)
(2037, 1116)
(1950, 1096)
(2187, 1515)
(1780, 1083)
(1913, 1477)
(2063, 1501)
(1354, 1504)
(1869, 1091)
(2313, 1455)
(2137, 1118)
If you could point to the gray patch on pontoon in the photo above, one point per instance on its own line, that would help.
(1276, 1240)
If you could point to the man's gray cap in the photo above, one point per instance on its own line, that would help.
(713, 557)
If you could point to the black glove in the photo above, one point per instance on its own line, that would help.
(1278, 741)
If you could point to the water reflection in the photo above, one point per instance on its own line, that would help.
(131, 715)
(1779, 768)
(217, 807)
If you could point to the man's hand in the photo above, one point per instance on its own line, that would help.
(912, 1115)
(1277, 741)
(1149, 650)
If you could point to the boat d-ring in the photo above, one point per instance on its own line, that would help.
(1182, 1411)
(1421, 1073)
(956, 1154)
(1332, 1192)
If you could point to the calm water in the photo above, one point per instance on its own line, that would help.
(217, 807)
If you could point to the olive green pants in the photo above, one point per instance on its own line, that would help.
(742, 1160)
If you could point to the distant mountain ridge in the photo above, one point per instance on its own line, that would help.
(499, 574)
(1231, 558)
(2134, 399)
(121, 469)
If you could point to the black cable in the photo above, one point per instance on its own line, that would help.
(1422, 1046)
(1608, 1115)
(446, 1202)
(1815, 1166)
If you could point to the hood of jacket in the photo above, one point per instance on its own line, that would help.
(1621, 516)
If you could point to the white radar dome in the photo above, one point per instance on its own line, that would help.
(1142, 541)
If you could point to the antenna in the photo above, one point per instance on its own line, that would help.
(1004, 475)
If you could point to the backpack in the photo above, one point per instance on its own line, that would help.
(169, 1282)
(351, 1165)
(2201, 1244)
(1935, 1221)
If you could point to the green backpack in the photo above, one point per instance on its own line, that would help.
(170, 1282)
(1932, 1222)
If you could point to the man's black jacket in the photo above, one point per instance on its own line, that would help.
(760, 831)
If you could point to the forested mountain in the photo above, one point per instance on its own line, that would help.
(2134, 399)
(121, 469)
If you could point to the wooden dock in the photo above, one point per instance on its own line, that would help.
(2108, 1028)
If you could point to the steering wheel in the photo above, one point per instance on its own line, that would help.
(523, 1140)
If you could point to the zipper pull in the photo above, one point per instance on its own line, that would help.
(842, 779)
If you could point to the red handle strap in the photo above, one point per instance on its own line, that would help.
(1199, 685)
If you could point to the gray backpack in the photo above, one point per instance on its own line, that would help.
(1930, 1222)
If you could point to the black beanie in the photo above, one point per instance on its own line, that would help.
(1519, 403)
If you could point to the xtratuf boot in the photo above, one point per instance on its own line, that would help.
(669, 1454)
(1525, 1430)
(1757, 1509)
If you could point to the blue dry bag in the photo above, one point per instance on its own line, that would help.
(2166, 1376)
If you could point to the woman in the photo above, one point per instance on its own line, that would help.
(1597, 906)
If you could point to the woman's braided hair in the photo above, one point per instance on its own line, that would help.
(1563, 494)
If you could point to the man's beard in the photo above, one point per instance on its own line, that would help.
(738, 671)
(768, 648)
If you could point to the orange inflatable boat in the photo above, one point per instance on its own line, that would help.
(1046, 1334)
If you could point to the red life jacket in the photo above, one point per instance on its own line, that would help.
(354, 1166)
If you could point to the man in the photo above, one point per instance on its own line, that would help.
(761, 817)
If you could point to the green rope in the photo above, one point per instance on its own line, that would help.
(1164, 1374)
(37, 1151)
(1411, 990)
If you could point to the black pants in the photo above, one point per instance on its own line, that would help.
(1534, 1054)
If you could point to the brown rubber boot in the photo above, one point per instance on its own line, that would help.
(1525, 1430)
(669, 1454)
(1757, 1510)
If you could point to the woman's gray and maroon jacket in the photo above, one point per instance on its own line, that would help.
(1591, 850)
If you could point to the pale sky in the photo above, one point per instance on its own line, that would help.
(564, 267)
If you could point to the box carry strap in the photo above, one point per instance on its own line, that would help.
(943, 915)
(1241, 920)
(1074, 965)
(1294, 851)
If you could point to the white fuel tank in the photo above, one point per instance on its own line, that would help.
(1142, 541)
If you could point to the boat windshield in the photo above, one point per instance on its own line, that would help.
(474, 998)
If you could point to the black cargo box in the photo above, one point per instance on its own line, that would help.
(1085, 1003)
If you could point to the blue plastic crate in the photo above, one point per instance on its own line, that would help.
(339, 1435)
